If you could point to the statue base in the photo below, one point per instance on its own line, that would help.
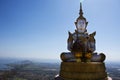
(82, 71)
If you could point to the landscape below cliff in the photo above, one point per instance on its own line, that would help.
(13, 69)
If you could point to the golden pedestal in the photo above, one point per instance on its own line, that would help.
(83, 71)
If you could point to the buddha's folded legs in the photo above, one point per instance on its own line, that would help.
(67, 57)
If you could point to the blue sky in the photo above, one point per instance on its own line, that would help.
(39, 28)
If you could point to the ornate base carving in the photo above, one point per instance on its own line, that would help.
(82, 71)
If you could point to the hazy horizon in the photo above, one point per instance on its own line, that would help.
(45, 60)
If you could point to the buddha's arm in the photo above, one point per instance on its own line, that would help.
(70, 42)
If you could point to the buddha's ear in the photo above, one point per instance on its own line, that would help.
(75, 23)
(86, 24)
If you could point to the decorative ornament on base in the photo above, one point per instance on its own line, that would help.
(82, 62)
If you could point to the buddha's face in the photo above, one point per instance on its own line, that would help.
(81, 25)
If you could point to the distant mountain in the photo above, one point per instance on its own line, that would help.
(5, 61)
